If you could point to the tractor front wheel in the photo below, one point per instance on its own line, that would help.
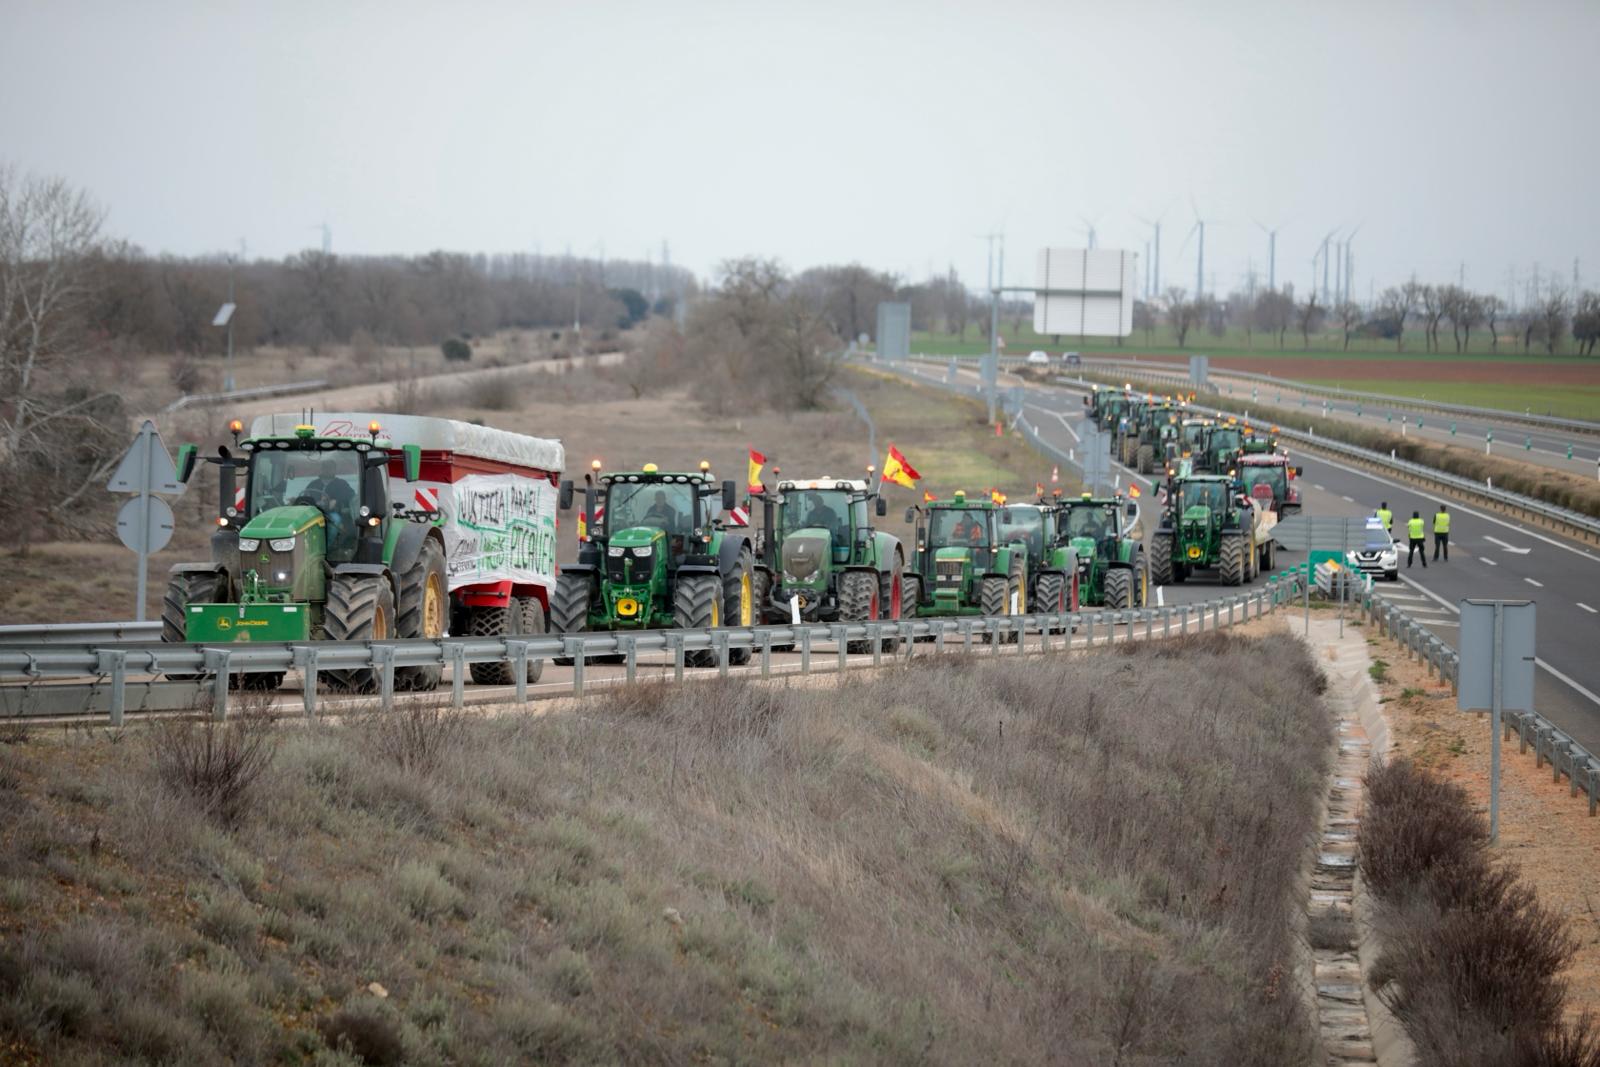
(910, 595)
(739, 603)
(696, 605)
(1119, 588)
(1050, 594)
(994, 595)
(421, 611)
(360, 607)
(192, 587)
(1147, 459)
(569, 608)
(891, 598)
(1231, 566)
(1161, 559)
(858, 602)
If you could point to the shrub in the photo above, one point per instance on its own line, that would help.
(366, 1032)
(456, 350)
(1415, 825)
(416, 736)
(215, 764)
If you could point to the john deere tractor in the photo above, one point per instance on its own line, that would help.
(1208, 524)
(312, 550)
(1051, 563)
(1159, 441)
(965, 565)
(1112, 571)
(824, 556)
(1220, 447)
(655, 555)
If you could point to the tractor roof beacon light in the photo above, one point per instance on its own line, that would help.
(372, 429)
(594, 464)
(705, 466)
(305, 431)
(649, 468)
(236, 427)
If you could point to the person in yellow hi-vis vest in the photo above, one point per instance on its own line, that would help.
(1419, 540)
(1386, 517)
(1441, 533)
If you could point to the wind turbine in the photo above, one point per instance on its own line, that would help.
(1272, 253)
(1089, 230)
(1200, 260)
(1350, 261)
(1324, 253)
(1155, 261)
(327, 236)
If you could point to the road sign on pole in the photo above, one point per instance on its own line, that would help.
(145, 524)
(1497, 664)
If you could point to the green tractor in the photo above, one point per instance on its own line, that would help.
(1052, 566)
(1112, 567)
(1108, 407)
(825, 560)
(312, 551)
(965, 566)
(1159, 438)
(655, 554)
(1220, 447)
(1208, 523)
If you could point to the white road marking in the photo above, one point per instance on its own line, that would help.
(1319, 489)
(1489, 561)
(1577, 687)
(1346, 499)
(1534, 582)
(1508, 548)
(1587, 608)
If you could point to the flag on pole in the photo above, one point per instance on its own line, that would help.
(1055, 475)
(757, 461)
(927, 497)
(1038, 488)
(897, 470)
(583, 526)
(1133, 491)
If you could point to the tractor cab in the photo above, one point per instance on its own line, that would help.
(1222, 445)
(1108, 556)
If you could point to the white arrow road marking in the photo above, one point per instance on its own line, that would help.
(1592, 697)
(1508, 548)
(1587, 608)
(1534, 582)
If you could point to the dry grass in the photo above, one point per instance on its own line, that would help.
(1072, 860)
(1471, 959)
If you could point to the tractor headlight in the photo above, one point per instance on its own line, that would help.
(615, 550)
(279, 544)
(249, 544)
(642, 553)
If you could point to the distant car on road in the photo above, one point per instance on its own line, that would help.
(1038, 359)
(1379, 556)
(1072, 359)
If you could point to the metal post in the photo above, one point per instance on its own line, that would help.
(805, 651)
(519, 668)
(1494, 723)
(938, 639)
(1344, 558)
(676, 641)
(458, 675)
(579, 659)
(119, 685)
(308, 670)
(766, 653)
(217, 660)
(1308, 590)
(630, 658)
(383, 658)
(721, 641)
(147, 442)
(877, 640)
(844, 647)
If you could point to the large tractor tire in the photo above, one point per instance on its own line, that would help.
(891, 597)
(569, 608)
(423, 610)
(1141, 581)
(994, 594)
(1050, 593)
(194, 587)
(1119, 589)
(761, 591)
(910, 596)
(1161, 559)
(360, 607)
(1269, 556)
(739, 602)
(1231, 564)
(524, 618)
(696, 605)
(1147, 459)
(858, 602)
(1127, 450)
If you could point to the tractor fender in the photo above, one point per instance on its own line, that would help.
(1119, 565)
(197, 568)
(369, 570)
(408, 546)
(577, 568)
(885, 547)
(728, 553)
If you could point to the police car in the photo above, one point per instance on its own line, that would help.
(1379, 556)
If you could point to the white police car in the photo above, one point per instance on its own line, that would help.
(1379, 555)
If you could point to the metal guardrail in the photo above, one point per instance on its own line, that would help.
(118, 670)
(67, 633)
(1548, 422)
(1549, 742)
(1581, 526)
(243, 394)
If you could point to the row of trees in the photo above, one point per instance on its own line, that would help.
(1545, 325)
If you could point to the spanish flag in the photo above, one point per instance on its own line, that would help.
(583, 526)
(996, 496)
(1133, 490)
(1038, 488)
(757, 461)
(898, 471)
(927, 497)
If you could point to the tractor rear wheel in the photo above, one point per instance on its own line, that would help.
(1161, 559)
(1147, 459)
(524, 618)
(760, 592)
(192, 587)
(1119, 588)
(910, 595)
(993, 595)
(739, 602)
(891, 597)
(569, 609)
(858, 602)
(360, 607)
(421, 611)
(1231, 565)
(696, 605)
(1050, 593)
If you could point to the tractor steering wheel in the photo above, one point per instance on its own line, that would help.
(307, 499)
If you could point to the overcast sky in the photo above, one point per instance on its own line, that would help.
(890, 133)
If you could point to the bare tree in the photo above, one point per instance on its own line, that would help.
(1434, 307)
(1586, 322)
(1492, 308)
(1349, 315)
(1396, 305)
(59, 432)
(1552, 314)
(1274, 312)
(1183, 313)
(1468, 313)
(1310, 315)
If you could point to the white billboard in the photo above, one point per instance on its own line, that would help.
(1085, 292)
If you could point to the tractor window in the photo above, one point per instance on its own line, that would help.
(958, 527)
(328, 480)
(1095, 522)
(1026, 525)
(667, 506)
(1226, 439)
(827, 509)
(1210, 495)
(1192, 435)
(1272, 477)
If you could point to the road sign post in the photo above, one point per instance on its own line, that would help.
(1497, 665)
(145, 523)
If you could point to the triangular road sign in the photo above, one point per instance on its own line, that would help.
(147, 467)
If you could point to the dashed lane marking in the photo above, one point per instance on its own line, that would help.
(1534, 582)
(1587, 608)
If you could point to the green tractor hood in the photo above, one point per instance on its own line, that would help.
(288, 521)
(807, 557)
(635, 571)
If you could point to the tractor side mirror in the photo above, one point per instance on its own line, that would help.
(1086, 400)
(565, 498)
(413, 462)
(1299, 472)
(730, 496)
(187, 454)
(1132, 510)
(883, 507)
(911, 514)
